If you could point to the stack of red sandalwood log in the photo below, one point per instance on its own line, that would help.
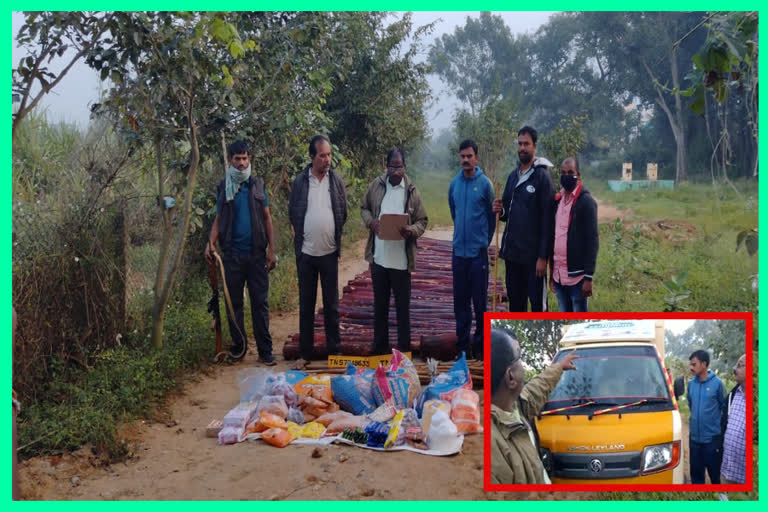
(432, 318)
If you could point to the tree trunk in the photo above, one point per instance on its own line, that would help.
(682, 148)
(161, 300)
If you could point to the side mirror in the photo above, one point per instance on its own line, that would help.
(679, 387)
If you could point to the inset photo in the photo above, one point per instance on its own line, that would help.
(600, 402)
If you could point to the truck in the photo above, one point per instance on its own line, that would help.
(615, 419)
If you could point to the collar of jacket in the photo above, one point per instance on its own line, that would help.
(382, 180)
(576, 192)
(308, 170)
(508, 421)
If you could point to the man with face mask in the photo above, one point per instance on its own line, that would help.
(392, 261)
(526, 207)
(514, 405)
(576, 241)
(243, 227)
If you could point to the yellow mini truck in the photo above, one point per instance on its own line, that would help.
(615, 419)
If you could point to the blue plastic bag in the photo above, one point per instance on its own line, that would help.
(446, 384)
(353, 391)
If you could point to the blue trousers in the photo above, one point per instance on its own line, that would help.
(470, 288)
(569, 298)
(706, 457)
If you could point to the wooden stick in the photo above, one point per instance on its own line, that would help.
(498, 253)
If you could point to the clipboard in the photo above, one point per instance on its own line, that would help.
(390, 224)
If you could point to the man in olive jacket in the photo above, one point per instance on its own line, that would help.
(392, 261)
(514, 404)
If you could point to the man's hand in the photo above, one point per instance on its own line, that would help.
(567, 362)
(497, 206)
(541, 267)
(208, 253)
(271, 260)
(586, 288)
(407, 232)
(551, 285)
(374, 226)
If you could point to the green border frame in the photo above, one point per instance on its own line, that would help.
(422, 5)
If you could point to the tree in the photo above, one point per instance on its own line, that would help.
(539, 339)
(378, 97)
(482, 62)
(168, 83)
(48, 37)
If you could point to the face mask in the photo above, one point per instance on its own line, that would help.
(568, 182)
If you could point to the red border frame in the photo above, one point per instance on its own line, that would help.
(488, 486)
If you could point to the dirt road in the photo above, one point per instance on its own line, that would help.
(173, 460)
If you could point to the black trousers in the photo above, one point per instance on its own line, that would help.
(309, 268)
(706, 457)
(241, 270)
(399, 283)
(523, 285)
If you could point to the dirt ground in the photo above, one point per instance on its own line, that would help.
(173, 460)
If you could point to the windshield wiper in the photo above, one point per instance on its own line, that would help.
(619, 407)
(568, 408)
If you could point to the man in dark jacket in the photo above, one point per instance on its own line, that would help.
(706, 399)
(392, 261)
(243, 228)
(526, 207)
(514, 405)
(318, 211)
(575, 241)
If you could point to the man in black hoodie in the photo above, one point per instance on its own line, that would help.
(526, 207)
(575, 241)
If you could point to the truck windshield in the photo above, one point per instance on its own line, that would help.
(615, 375)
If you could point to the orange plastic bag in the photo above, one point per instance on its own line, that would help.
(317, 386)
(266, 421)
(465, 411)
(277, 437)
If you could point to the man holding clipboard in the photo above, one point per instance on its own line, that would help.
(393, 211)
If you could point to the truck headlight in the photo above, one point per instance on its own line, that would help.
(660, 457)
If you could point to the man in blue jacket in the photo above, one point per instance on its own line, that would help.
(526, 207)
(470, 197)
(706, 399)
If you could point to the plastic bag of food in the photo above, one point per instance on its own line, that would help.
(353, 391)
(318, 386)
(398, 384)
(313, 430)
(252, 383)
(295, 415)
(345, 423)
(329, 417)
(430, 408)
(446, 384)
(277, 437)
(383, 413)
(394, 430)
(294, 376)
(230, 435)
(273, 405)
(465, 411)
(269, 420)
(410, 428)
(279, 386)
(442, 432)
(294, 429)
(240, 415)
(377, 433)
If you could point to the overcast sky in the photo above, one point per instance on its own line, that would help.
(70, 100)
